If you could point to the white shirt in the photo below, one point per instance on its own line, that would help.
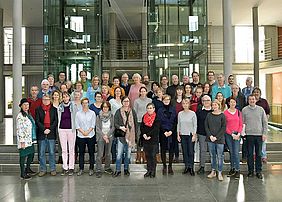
(85, 120)
(115, 105)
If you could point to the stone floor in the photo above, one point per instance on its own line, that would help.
(136, 188)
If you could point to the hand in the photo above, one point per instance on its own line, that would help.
(212, 138)
(236, 137)
(178, 138)
(46, 131)
(22, 145)
(148, 138)
(85, 133)
(169, 133)
(264, 138)
(145, 136)
(124, 129)
(194, 137)
(106, 139)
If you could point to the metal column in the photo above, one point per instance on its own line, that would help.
(256, 45)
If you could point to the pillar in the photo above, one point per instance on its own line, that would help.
(113, 36)
(227, 37)
(17, 57)
(2, 90)
(144, 34)
(256, 45)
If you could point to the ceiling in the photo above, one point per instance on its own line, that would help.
(269, 12)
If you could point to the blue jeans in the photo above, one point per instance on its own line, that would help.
(122, 148)
(42, 155)
(216, 151)
(188, 150)
(234, 148)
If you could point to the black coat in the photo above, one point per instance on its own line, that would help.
(39, 119)
(152, 132)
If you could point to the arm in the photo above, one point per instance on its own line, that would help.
(240, 122)
(135, 120)
(118, 121)
(37, 119)
(222, 130)
(98, 128)
(264, 123)
(112, 130)
(208, 132)
(20, 131)
(54, 123)
(194, 120)
(178, 124)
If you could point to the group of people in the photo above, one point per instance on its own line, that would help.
(151, 117)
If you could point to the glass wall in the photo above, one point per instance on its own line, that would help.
(177, 37)
(72, 37)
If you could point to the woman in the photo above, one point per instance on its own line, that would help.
(207, 89)
(104, 135)
(76, 103)
(116, 83)
(188, 91)
(125, 120)
(96, 106)
(150, 128)
(167, 117)
(158, 100)
(79, 88)
(215, 125)
(26, 134)
(196, 99)
(234, 125)
(63, 87)
(67, 134)
(93, 89)
(153, 93)
(186, 134)
(134, 88)
(219, 96)
(105, 93)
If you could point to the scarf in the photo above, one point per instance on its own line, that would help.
(105, 116)
(63, 105)
(47, 120)
(149, 119)
(130, 133)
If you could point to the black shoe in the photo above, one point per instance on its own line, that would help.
(98, 174)
(259, 175)
(65, 172)
(153, 175)
(191, 171)
(170, 171)
(126, 173)
(147, 174)
(164, 170)
(109, 171)
(60, 160)
(30, 172)
(26, 177)
(71, 172)
(231, 172)
(186, 170)
(176, 160)
(201, 171)
(117, 173)
(251, 174)
(237, 175)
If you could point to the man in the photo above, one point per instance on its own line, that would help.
(221, 87)
(240, 99)
(231, 80)
(84, 81)
(51, 80)
(172, 89)
(44, 88)
(106, 79)
(33, 100)
(255, 121)
(147, 83)
(62, 79)
(124, 83)
(211, 78)
(164, 83)
(249, 88)
(85, 120)
(46, 118)
(196, 81)
(185, 80)
(78, 88)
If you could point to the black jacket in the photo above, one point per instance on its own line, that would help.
(39, 119)
(240, 101)
(152, 132)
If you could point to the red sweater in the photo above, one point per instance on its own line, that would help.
(33, 104)
(233, 122)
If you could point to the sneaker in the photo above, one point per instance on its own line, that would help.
(71, 172)
(80, 172)
(98, 174)
(91, 172)
(53, 173)
(117, 174)
(126, 173)
(231, 172)
(251, 174)
(65, 172)
(219, 176)
(109, 171)
(212, 174)
(41, 174)
(170, 171)
(192, 173)
(201, 171)
(259, 175)
(237, 175)
(147, 174)
(176, 160)
(26, 177)
(30, 172)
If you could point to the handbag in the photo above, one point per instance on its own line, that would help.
(119, 132)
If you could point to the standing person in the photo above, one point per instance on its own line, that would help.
(215, 125)
(124, 83)
(264, 104)
(147, 83)
(240, 99)
(51, 80)
(186, 134)
(93, 89)
(62, 79)
(220, 97)
(104, 135)
(185, 80)
(220, 86)
(196, 81)
(116, 83)
(196, 99)
(105, 93)
(201, 131)
(231, 80)
(76, 103)
(171, 89)
(150, 127)
(33, 100)
(125, 120)
(168, 137)
(96, 106)
(63, 87)
(164, 83)
(207, 89)
(115, 105)
(255, 121)
(249, 88)
(67, 134)
(106, 79)
(140, 109)
(47, 122)
(44, 88)
(84, 81)
(26, 134)
(154, 87)
(211, 78)
(134, 88)
(234, 127)
(79, 88)
(158, 100)
(85, 124)
(188, 91)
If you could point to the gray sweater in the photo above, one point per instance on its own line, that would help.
(215, 125)
(255, 120)
(140, 107)
(187, 123)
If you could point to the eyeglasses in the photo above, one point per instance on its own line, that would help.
(46, 99)
(126, 101)
(206, 100)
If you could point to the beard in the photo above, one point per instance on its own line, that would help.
(146, 82)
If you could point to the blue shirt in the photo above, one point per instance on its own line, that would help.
(225, 90)
(91, 94)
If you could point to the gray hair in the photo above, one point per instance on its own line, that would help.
(45, 81)
(136, 75)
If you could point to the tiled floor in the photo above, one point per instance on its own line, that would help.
(136, 188)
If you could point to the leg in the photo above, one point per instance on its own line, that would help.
(71, 145)
(244, 148)
(108, 154)
(29, 160)
(119, 155)
(212, 150)
(63, 137)
(236, 150)
(42, 158)
(147, 151)
(91, 150)
(190, 152)
(114, 149)
(163, 154)
(22, 166)
(52, 161)
(100, 145)
(263, 151)
(203, 150)
(81, 145)
(250, 147)
(229, 141)
(184, 144)
(220, 156)
(127, 157)
(258, 146)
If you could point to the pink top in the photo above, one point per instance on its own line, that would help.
(234, 122)
(134, 92)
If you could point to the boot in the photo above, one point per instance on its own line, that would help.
(158, 157)
(143, 156)
(138, 157)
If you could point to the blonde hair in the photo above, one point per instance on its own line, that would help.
(136, 75)
(218, 103)
(166, 96)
